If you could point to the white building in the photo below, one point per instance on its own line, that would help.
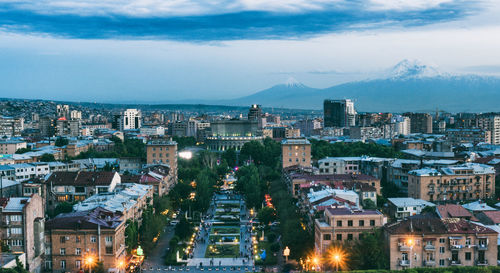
(25, 171)
(75, 114)
(402, 126)
(130, 119)
(404, 207)
(339, 165)
(153, 131)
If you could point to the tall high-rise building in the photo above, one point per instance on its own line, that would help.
(130, 119)
(10, 126)
(402, 126)
(255, 112)
(75, 114)
(62, 111)
(47, 127)
(420, 123)
(339, 113)
(490, 123)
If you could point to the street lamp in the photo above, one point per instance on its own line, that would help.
(89, 261)
(337, 257)
(121, 264)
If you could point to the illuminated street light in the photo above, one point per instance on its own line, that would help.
(337, 258)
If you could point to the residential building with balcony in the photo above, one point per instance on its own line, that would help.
(296, 152)
(404, 207)
(71, 237)
(342, 224)
(78, 186)
(22, 228)
(469, 181)
(428, 241)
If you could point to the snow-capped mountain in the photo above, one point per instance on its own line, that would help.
(408, 86)
(413, 69)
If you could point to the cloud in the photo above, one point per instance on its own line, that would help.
(219, 20)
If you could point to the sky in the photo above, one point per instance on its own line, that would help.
(156, 51)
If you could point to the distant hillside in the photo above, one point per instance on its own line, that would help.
(409, 86)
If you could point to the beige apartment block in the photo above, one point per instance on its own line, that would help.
(296, 152)
(427, 241)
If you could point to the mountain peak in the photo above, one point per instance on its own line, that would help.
(292, 82)
(413, 69)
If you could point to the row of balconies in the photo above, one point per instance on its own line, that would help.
(406, 263)
(404, 248)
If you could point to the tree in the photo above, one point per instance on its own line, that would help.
(47, 158)
(368, 252)
(23, 150)
(183, 229)
(230, 156)
(204, 190)
(369, 204)
(131, 235)
(19, 268)
(61, 141)
(63, 207)
(99, 267)
(266, 215)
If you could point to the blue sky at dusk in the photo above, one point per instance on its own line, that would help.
(158, 51)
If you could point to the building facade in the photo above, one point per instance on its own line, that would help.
(470, 181)
(342, 224)
(427, 241)
(339, 113)
(296, 152)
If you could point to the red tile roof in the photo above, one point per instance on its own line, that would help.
(454, 211)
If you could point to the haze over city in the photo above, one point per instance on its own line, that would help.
(155, 51)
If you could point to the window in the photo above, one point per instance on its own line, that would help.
(16, 218)
(442, 240)
(16, 230)
(468, 256)
(372, 223)
(78, 264)
(62, 251)
(47, 250)
(339, 223)
(78, 239)
(63, 264)
(93, 239)
(109, 239)
(441, 249)
(349, 237)
(361, 223)
(78, 251)
(62, 239)
(467, 241)
(109, 250)
(339, 237)
(441, 262)
(349, 223)
(48, 265)
(327, 237)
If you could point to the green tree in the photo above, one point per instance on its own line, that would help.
(99, 267)
(266, 215)
(229, 156)
(131, 235)
(63, 207)
(23, 150)
(47, 158)
(368, 252)
(204, 190)
(369, 204)
(61, 141)
(183, 229)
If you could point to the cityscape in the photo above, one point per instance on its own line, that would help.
(249, 136)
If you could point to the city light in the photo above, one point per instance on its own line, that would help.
(186, 154)
(337, 258)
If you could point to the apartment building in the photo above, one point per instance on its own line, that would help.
(343, 224)
(339, 165)
(420, 122)
(11, 146)
(427, 241)
(296, 152)
(71, 237)
(469, 181)
(162, 151)
(130, 199)
(157, 176)
(78, 186)
(22, 228)
(25, 171)
(10, 126)
(404, 207)
(468, 135)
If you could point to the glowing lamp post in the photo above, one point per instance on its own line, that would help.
(286, 253)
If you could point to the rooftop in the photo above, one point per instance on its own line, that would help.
(295, 141)
(410, 202)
